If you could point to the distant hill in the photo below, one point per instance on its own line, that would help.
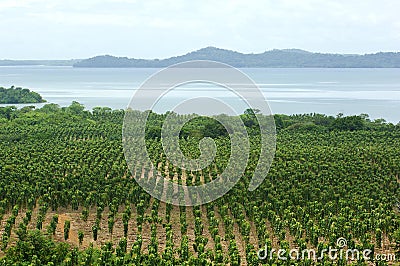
(274, 58)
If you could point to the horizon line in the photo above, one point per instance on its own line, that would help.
(207, 47)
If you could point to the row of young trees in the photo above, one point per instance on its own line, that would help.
(321, 186)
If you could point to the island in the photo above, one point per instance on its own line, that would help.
(286, 58)
(276, 58)
(19, 95)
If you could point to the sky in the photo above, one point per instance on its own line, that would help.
(67, 29)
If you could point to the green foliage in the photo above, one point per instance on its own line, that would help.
(349, 123)
(19, 95)
(95, 230)
(201, 127)
(36, 247)
(397, 242)
(80, 237)
(53, 225)
(331, 177)
(75, 108)
(67, 226)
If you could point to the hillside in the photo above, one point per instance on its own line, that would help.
(274, 58)
(19, 95)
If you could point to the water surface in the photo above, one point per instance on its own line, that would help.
(288, 90)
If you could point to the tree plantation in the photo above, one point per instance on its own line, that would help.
(67, 196)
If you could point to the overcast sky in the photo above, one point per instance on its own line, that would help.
(64, 29)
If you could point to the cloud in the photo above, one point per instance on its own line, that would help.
(163, 28)
(85, 19)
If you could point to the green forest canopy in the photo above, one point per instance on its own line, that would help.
(19, 95)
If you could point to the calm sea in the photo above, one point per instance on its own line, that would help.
(289, 91)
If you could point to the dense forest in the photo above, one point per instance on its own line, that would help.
(273, 58)
(68, 198)
(19, 95)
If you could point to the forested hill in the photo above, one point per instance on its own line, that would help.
(274, 58)
(19, 95)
